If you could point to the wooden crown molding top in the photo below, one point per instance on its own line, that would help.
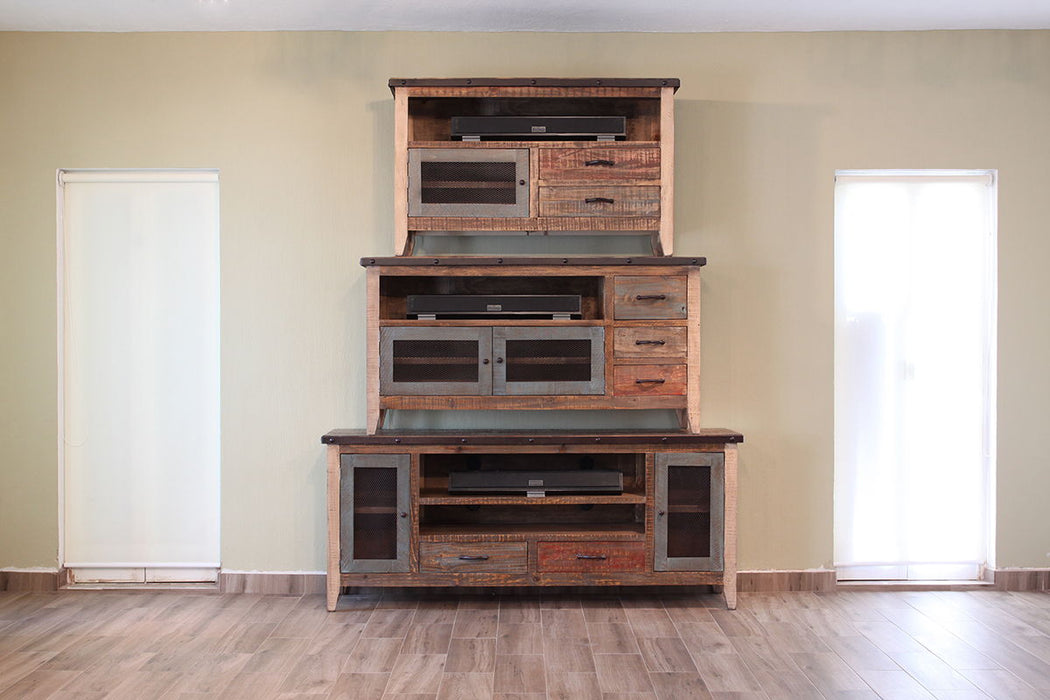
(532, 261)
(674, 83)
(706, 436)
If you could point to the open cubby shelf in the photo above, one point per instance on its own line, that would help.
(526, 532)
(438, 497)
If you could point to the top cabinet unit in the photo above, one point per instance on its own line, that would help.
(534, 155)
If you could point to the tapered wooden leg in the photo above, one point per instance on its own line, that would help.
(332, 580)
(729, 563)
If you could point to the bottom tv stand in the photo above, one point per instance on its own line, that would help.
(393, 522)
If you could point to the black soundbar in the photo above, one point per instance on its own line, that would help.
(537, 483)
(539, 128)
(561, 306)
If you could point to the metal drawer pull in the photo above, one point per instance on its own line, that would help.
(598, 200)
(650, 342)
(599, 557)
(600, 161)
(649, 381)
(650, 297)
(473, 557)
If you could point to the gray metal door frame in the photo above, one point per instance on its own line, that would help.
(716, 462)
(387, 385)
(348, 463)
(595, 385)
(518, 156)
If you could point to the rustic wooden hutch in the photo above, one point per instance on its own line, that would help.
(453, 332)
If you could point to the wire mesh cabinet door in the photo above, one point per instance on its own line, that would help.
(374, 523)
(474, 182)
(548, 361)
(435, 361)
(690, 507)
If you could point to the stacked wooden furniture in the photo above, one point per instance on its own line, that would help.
(634, 345)
(558, 186)
(631, 342)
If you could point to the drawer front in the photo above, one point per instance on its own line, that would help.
(650, 342)
(649, 380)
(599, 164)
(599, 200)
(469, 557)
(590, 556)
(637, 297)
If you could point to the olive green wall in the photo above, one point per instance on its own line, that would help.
(299, 125)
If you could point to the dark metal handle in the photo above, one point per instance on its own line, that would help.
(499, 360)
(661, 513)
(403, 514)
(473, 557)
(599, 557)
(600, 161)
(650, 297)
(649, 381)
(485, 361)
(650, 342)
(599, 200)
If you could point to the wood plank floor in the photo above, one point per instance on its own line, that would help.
(166, 644)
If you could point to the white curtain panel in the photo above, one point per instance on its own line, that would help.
(914, 373)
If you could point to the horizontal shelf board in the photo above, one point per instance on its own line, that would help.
(573, 580)
(574, 262)
(559, 532)
(489, 322)
(647, 224)
(534, 83)
(434, 497)
(641, 439)
(430, 360)
(533, 144)
(467, 184)
(424, 403)
(545, 360)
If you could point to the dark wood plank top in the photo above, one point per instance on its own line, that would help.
(706, 436)
(512, 261)
(535, 82)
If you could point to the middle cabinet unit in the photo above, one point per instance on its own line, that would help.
(533, 333)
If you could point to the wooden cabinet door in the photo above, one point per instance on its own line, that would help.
(374, 522)
(548, 361)
(435, 361)
(690, 507)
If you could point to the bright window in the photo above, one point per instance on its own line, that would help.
(915, 292)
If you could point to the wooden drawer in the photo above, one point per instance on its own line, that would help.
(469, 557)
(599, 164)
(649, 380)
(599, 200)
(650, 342)
(590, 556)
(649, 297)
